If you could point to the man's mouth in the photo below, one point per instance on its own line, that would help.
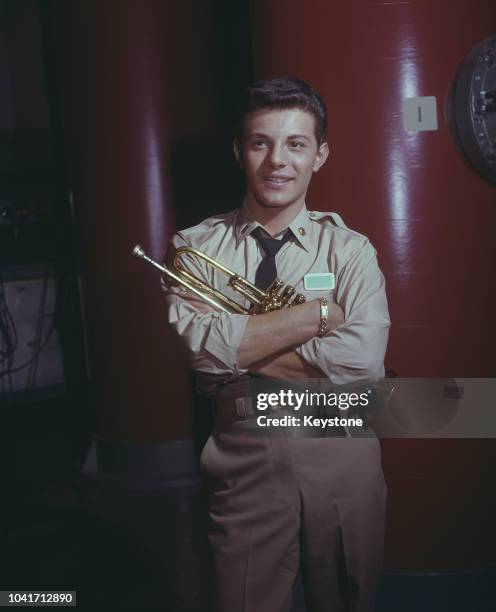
(277, 180)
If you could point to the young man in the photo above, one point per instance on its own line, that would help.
(278, 504)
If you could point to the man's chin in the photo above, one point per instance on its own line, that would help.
(266, 203)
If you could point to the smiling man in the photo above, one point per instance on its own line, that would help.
(282, 504)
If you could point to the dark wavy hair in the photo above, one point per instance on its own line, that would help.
(283, 93)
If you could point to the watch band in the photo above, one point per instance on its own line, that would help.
(324, 315)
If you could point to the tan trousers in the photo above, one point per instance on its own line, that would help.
(277, 504)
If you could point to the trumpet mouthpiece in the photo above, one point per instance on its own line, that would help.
(138, 251)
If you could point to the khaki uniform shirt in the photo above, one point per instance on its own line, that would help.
(320, 243)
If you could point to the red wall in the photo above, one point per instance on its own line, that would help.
(113, 68)
(141, 89)
(431, 218)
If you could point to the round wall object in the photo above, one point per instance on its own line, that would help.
(471, 108)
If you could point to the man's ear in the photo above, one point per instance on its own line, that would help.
(237, 152)
(320, 158)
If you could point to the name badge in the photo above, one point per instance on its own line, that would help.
(323, 281)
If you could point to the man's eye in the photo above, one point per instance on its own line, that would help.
(296, 144)
(258, 143)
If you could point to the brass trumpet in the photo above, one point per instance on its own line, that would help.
(274, 297)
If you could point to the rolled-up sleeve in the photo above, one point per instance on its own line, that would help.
(212, 339)
(355, 350)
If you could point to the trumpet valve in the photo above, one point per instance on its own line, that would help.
(299, 299)
(287, 294)
(274, 287)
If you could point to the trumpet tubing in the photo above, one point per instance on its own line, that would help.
(275, 297)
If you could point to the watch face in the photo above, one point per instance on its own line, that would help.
(471, 108)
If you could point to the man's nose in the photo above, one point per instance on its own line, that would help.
(276, 156)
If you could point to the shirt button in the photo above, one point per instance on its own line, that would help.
(301, 231)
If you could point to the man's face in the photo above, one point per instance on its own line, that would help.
(279, 153)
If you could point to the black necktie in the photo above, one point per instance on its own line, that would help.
(267, 272)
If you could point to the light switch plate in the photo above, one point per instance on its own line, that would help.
(420, 114)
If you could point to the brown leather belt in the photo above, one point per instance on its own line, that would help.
(234, 409)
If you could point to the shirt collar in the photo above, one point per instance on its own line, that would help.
(299, 226)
